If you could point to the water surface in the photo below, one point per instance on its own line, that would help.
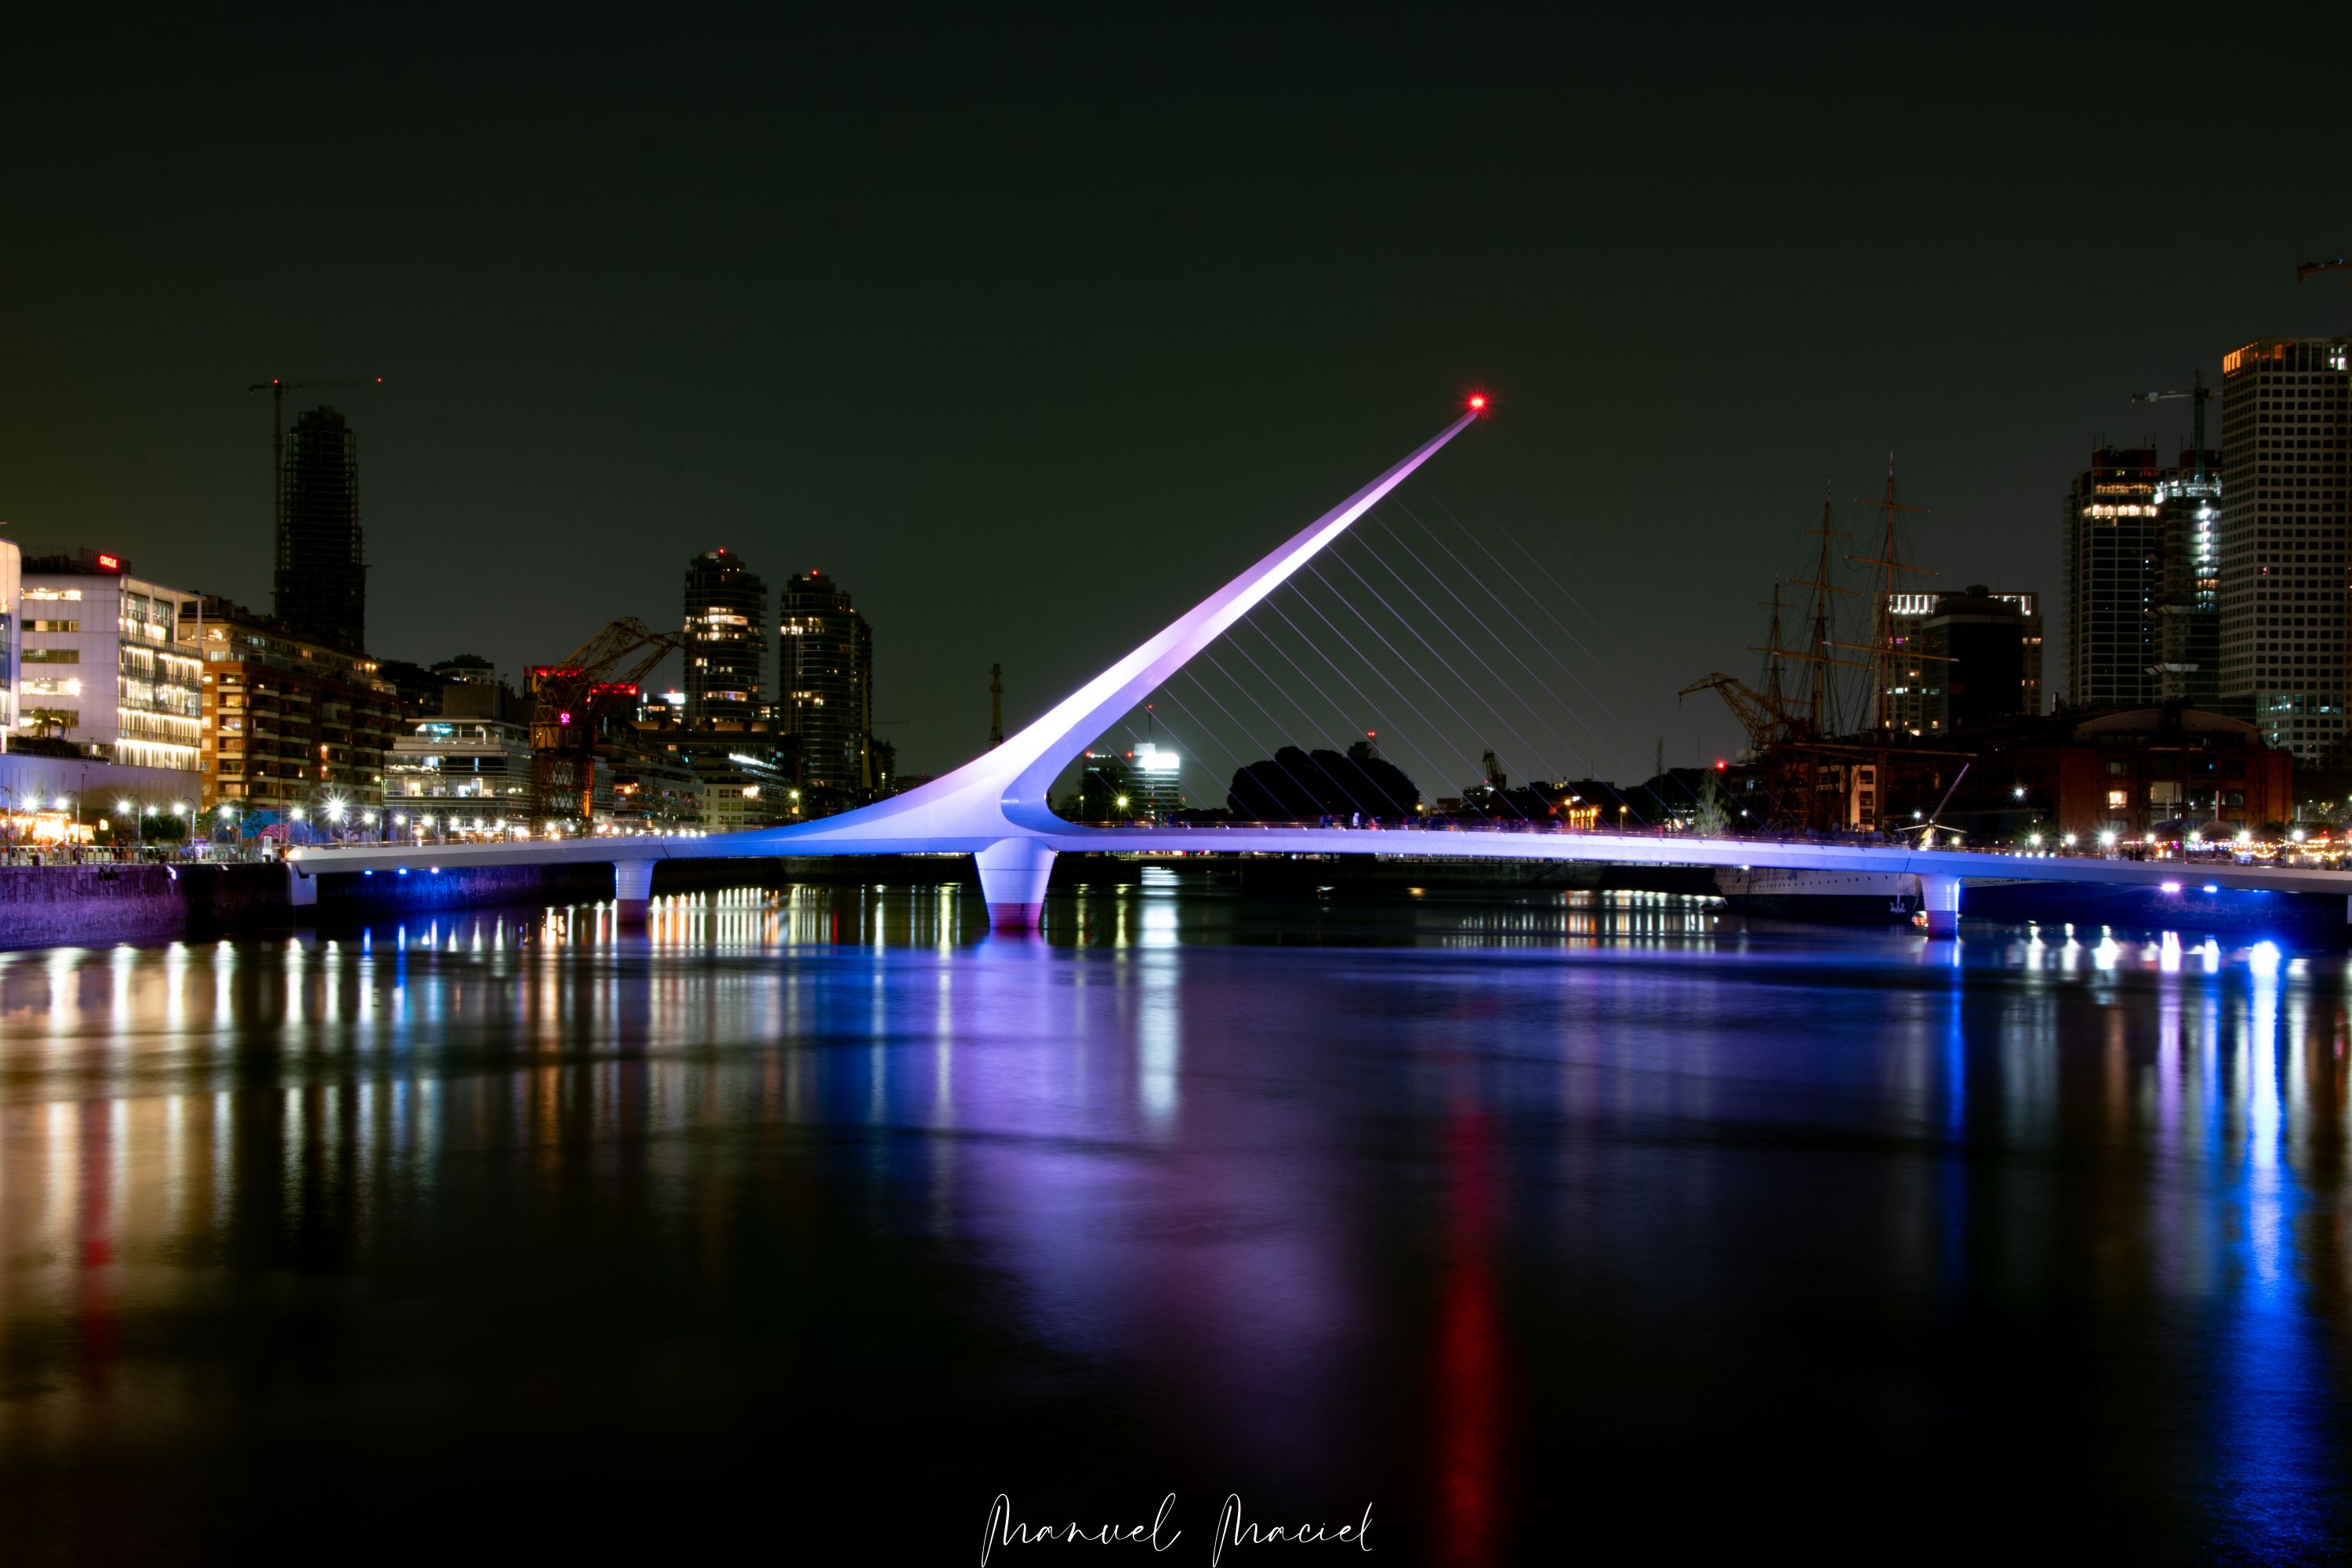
(1547, 1226)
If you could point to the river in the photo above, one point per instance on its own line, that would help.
(1548, 1227)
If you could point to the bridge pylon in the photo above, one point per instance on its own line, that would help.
(1013, 876)
(996, 805)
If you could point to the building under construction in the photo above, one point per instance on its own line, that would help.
(321, 561)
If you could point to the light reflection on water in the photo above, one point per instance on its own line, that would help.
(1526, 1216)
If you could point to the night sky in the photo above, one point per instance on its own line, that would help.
(1032, 340)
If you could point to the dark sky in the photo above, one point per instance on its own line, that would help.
(1032, 339)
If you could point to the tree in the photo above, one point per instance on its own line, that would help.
(1714, 813)
(1294, 785)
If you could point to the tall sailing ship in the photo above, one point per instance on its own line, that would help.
(1819, 776)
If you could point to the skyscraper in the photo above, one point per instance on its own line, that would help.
(2111, 563)
(2189, 583)
(2284, 470)
(826, 676)
(321, 568)
(1964, 659)
(726, 640)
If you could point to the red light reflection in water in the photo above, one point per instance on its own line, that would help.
(1469, 1350)
(94, 1292)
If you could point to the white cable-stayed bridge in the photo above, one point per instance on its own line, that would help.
(996, 806)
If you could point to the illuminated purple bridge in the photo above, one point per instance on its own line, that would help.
(994, 806)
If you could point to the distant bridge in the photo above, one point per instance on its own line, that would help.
(995, 807)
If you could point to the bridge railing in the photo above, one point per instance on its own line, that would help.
(2202, 854)
(132, 855)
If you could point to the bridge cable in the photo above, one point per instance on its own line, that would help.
(1276, 754)
(1602, 626)
(1340, 788)
(1469, 685)
(1178, 698)
(1532, 635)
(1408, 663)
(1581, 756)
(1437, 769)
(1536, 599)
(1245, 729)
(1379, 716)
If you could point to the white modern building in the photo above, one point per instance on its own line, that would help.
(11, 564)
(99, 665)
(1158, 775)
(477, 765)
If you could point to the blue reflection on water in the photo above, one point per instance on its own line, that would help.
(1622, 1202)
(2277, 1409)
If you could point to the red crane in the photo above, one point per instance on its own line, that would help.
(567, 699)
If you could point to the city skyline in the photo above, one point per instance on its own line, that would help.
(1655, 424)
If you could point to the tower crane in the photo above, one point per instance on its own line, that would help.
(568, 696)
(278, 390)
(2198, 393)
(2309, 270)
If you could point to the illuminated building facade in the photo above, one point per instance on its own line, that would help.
(2283, 583)
(2111, 570)
(1963, 659)
(726, 640)
(99, 665)
(11, 586)
(289, 721)
(2189, 583)
(1141, 785)
(827, 676)
(478, 767)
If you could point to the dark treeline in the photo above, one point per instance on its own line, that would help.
(1296, 785)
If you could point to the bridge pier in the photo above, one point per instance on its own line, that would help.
(633, 891)
(1012, 874)
(1940, 897)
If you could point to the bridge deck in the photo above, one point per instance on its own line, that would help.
(1607, 848)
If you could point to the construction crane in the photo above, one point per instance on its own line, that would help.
(567, 697)
(2198, 393)
(278, 390)
(1767, 721)
(2309, 270)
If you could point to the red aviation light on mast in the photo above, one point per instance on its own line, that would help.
(1478, 402)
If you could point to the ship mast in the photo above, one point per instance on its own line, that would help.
(1889, 562)
(1819, 717)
